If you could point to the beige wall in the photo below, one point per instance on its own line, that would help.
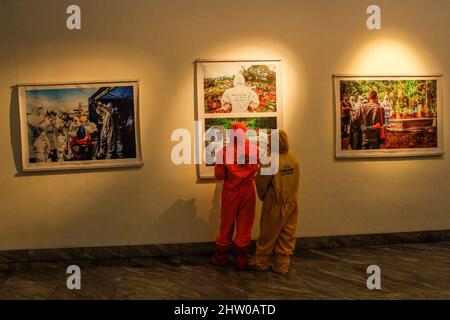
(157, 41)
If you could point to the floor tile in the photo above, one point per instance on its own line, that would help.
(409, 271)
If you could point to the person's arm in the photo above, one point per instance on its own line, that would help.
(262, 185)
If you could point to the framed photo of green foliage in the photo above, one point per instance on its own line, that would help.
(248, 91)
(388, 116)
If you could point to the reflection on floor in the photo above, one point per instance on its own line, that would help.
(409, 271)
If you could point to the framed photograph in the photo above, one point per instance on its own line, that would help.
(248, 91)
(388, 116)
(79, 125)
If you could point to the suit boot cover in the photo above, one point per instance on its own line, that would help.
(259, 263)
(241, 258)
(282, 264)
(222, 255)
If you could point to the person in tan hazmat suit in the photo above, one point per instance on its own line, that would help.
(279, 213)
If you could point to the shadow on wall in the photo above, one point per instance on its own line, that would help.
(181, 218)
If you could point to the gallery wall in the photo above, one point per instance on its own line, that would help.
(157, 41)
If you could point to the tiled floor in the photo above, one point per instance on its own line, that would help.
(409, 271)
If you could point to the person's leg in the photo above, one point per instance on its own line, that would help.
(119, 144)
(244, 224)
(365, 145)
(229, 209)
(270, 227)
(285, 245)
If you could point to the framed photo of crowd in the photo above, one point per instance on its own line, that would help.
(247, 91)
(75, 126)
(388, 116)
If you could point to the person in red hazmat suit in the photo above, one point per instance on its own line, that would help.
(237, 165)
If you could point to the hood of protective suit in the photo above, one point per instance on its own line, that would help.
(239, 125)
(239, 80)
(283, 143)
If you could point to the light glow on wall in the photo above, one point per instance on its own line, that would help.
(391, 56)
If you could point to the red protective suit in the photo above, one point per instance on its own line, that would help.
(238, 198)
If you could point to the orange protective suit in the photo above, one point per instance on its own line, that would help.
(238, 199)
(279, 213)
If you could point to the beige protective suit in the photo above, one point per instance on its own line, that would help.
(279, 213)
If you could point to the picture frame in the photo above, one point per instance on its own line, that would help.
(79, 125)
(257, 102)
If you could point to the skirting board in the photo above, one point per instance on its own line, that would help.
(120, 252)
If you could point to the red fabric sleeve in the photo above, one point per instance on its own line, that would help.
(220, 171)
